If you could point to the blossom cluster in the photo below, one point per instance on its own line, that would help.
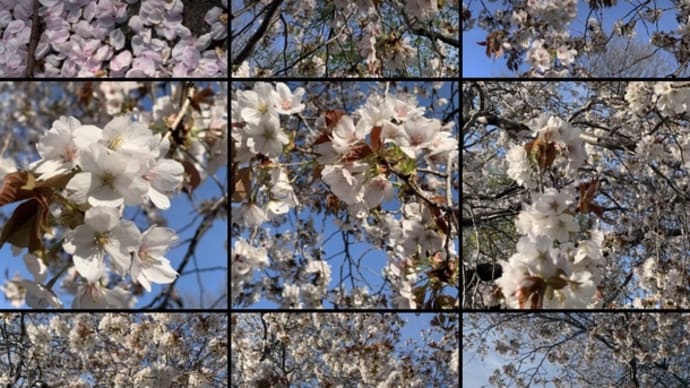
(122, 164)
(143, 350)
(361, 157)
(88, 178)
(401, 123)
(549, 270)
(554, 136)
(361, 348)
(260, 133)
(97, 38)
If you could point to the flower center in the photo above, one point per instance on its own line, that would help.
(115, 143)
(70, 153)
(108, 179)
(101, 239)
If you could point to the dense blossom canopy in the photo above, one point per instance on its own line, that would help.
(317, 38)
(611, 349)
(575, 194)
(328, 349)
(383, 172)
(116, 350)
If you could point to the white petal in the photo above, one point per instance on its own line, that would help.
(167, 174)
(162, 273)
(38, 296)
(101, 219)
(90, 269)
(158, 239)
(123, 240)
(79, 186)
(159, 199)
(36, 266)
(105, 196)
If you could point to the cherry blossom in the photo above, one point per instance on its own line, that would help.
(363, 348)
(78, 350)
(109, 179)
(357, 167)
(51, 152)
(602, 344)
(103, 232)
(366, 38)
(148, 262)
(573, 185)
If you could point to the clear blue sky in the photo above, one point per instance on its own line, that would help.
(475, 63)
(210, 253)
(374, 259)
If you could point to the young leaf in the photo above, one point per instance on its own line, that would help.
(376, 142)
(203, 96)
(25, 227)
(13, 187)
(332, 117)
(192, 178)
(241, 185)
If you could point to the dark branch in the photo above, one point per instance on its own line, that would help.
(254, 39)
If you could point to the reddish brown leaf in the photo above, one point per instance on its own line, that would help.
(25, 227)
(441, 200)
(323, 137)
(13, 187)
(241, 185)
(332, 117)
(586, 202)
(357, 152)
(192, 178)
(332, 203)
(444, 302)
(201, 97)
(376, 142)
(419, 293)
(494, 44)
(542, 151)
(85, 93)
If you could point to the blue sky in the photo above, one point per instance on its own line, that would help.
(211, 251)
(373, 259)
(476, 370)
(475, 63)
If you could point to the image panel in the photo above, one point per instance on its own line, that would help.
(335, 38)
(575, 349)
(114, 195)
(588, 39)
(351, 349)
(114, 349)
(575, 195)
(114, 38)
(345, 195)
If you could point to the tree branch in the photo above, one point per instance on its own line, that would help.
(254, 39)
